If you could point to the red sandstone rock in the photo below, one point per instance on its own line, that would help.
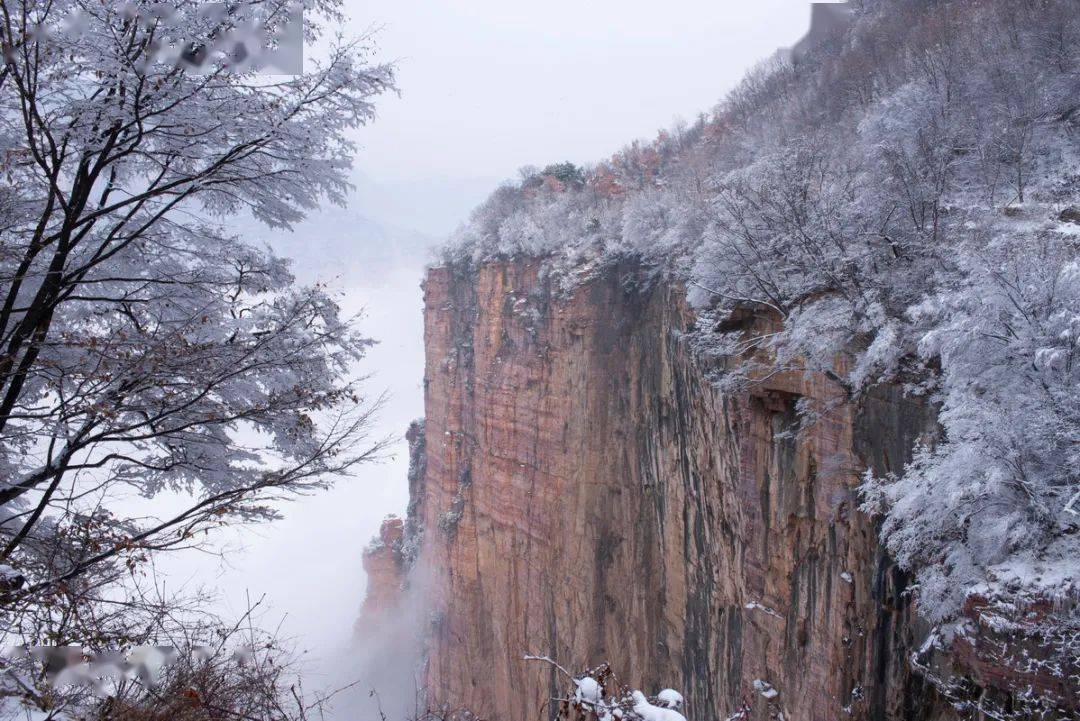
(385, 578)
(588, 495)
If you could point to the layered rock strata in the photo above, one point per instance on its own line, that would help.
(587, 494)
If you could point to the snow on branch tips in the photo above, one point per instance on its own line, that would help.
(598, 694)
(149, 350)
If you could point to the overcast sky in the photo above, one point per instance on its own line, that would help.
(487, 87)
(491, 85)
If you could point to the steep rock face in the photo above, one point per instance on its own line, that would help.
(589, 496)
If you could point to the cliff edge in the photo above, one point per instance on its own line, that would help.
(588, 495)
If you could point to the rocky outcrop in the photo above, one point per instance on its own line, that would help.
(587, 494)
(386, 578)
(389, 557)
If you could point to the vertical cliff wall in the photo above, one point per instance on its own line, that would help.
(588, 495)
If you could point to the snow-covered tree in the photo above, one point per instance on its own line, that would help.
(145, 349)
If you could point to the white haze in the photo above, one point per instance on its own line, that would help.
(487, 87)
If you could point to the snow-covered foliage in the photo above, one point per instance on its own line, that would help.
(598, 694)
(587, 690)
(671, 698)
(147, 350)
(647, 711)
(908, 195)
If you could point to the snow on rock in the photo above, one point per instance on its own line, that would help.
(765, 689)
(671, 698)
(755, 605)
(647, 712)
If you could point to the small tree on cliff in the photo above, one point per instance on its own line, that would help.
(143, 349)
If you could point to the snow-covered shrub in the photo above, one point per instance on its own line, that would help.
(597, 694)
